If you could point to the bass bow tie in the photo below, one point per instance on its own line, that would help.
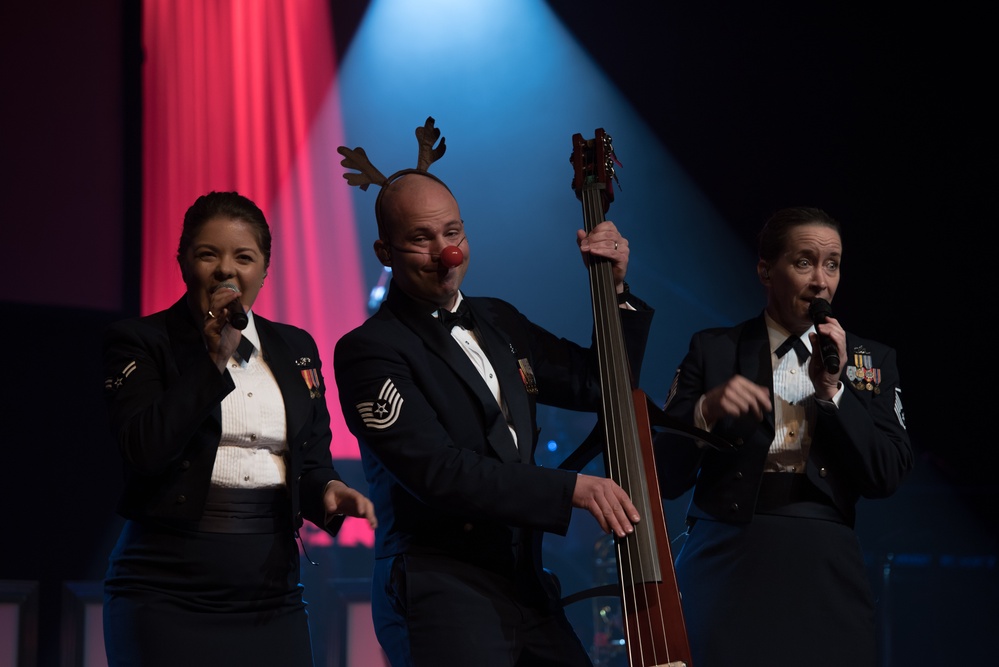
(459, 318)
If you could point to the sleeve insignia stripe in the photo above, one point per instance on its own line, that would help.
(383, 411)
(899, 412)
(113, 383)
(672, 389)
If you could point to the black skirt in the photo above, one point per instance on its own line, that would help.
(781, 591)
(221, 591)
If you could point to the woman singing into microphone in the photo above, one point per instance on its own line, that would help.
(224, 435)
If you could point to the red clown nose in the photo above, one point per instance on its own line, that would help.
(452, 256)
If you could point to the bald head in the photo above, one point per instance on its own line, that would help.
(419, 218)
(411, 196)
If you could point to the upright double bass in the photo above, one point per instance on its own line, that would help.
(654, 630)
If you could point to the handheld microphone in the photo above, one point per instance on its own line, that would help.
(237, 315)
(819, 310)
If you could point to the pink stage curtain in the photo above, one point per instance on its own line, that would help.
(240, 95)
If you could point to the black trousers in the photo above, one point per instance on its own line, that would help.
(431, 611)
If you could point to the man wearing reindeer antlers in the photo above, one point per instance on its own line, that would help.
(441, 391)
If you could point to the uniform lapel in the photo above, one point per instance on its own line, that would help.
(754, 363)
(419, 319)
(188, 347)
(498, 347)
(287, 370)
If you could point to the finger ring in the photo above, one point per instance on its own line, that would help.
(211, 314)
(615, 245)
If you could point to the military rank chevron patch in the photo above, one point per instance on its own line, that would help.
(384, 411)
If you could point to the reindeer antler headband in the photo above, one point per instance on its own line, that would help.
(357, 159)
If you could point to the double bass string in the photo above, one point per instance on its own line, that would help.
(655, 635)
(622, 453)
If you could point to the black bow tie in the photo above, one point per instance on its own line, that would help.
(245, 348)
(461, 317)
(799, 348)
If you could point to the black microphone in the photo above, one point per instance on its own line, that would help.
(819, 310)
(237, 315)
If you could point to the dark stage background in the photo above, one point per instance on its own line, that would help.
(881, 117)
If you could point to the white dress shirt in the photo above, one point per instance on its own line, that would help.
(470, 346)
(254, 429)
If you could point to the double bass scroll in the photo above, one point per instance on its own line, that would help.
(654, 630)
